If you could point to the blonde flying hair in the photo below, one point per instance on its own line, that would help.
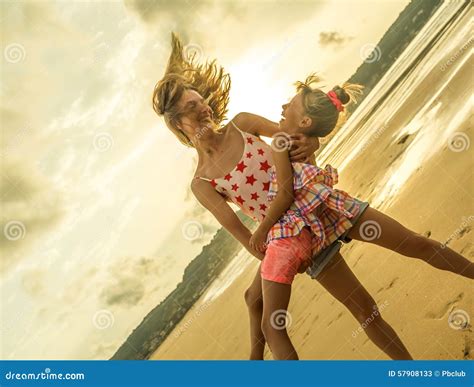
(183, 73)
(319, 107)
(213, 84)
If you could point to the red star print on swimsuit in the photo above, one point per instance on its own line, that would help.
(251, 172)
(251, 179)
(265, 166)
(241, 166)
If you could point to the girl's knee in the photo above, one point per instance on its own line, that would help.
(253, 299)
(364, 310)
(419, 246)
(268, 330)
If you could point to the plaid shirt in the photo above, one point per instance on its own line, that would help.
(327, 211)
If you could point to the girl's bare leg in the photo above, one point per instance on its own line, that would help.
(338, 279)
(254, 301)
(276, 297)
(375, 227)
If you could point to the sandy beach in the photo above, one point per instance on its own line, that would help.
(414, 170)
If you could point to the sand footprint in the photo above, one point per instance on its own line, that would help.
(442, 312)
(460, 232)
(389, 286)
(468, 250)
(467, 348)
(357, 261)
(337, 318)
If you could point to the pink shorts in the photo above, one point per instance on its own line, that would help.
(284, 256)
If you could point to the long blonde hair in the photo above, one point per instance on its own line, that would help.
(319, 107)
(182, 74)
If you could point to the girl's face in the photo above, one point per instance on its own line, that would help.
(293, 116)
(194, 113)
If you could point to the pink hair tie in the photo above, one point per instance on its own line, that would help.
(336, 101)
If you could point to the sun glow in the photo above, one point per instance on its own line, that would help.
(255, 90)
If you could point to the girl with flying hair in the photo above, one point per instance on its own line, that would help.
(302, 217)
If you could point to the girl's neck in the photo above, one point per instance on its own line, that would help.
(209, 143)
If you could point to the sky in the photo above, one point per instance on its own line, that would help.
(97, 217)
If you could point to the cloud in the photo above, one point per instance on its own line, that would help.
(333, 38)
(33, 282)
(30, 18)
(209, 24)
(103, 350)
(127, 291)
(31, 206)
(127, 280)
(150, 10)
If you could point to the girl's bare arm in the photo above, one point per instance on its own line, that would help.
(216, 204)
(282, 201)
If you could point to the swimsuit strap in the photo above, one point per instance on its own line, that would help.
(203, 178)
(241, 132)
(235, 126)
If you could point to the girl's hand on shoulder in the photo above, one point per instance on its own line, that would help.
(302, 147)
